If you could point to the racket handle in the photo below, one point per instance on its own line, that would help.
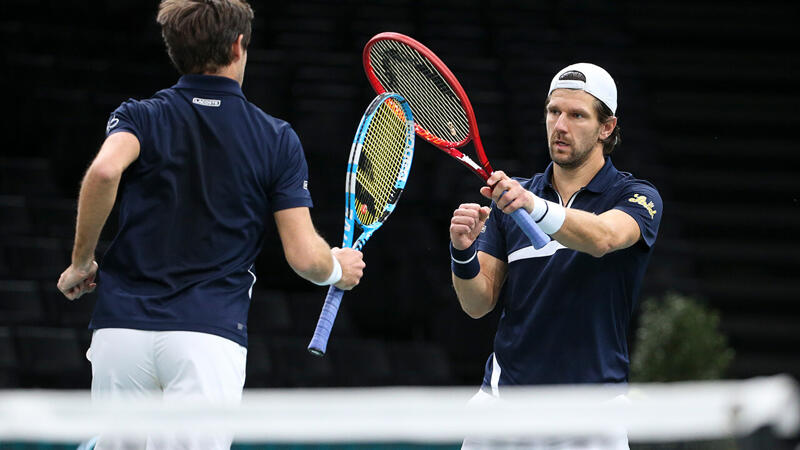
(529, 227)
(319, 343)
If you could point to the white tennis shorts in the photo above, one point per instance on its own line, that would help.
(177, 365)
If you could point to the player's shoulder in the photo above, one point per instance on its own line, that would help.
(148, 105)
(627, 181)
(273, 126)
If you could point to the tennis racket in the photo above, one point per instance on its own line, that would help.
(377, 170)
(442, 112)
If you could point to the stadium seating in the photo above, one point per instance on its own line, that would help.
(8, 360)
(706, 109)
(53, 357)
(20, 303)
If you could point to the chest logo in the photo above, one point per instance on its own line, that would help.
(642, 200)
(206, 102)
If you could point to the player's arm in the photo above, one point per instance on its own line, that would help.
(95, 201)
(600, 234)
(477, 276)
(596, 235)
(310, 256)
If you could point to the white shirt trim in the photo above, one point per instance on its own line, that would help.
(495, 381)
(250, 292)
(529, 252)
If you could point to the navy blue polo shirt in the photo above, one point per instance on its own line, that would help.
(565, 314)
(193, 208)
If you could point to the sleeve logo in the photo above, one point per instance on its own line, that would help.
(112, 122)
(642, 200)
(305, 184)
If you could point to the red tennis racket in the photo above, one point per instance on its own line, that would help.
(443, 114)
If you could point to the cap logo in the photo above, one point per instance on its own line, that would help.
(573, 75)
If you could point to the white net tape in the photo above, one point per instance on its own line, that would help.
(651, 413)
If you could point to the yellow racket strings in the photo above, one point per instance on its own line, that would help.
(436, 107)
(380, 161)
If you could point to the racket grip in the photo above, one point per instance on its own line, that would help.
(319, 343)
(529, 227)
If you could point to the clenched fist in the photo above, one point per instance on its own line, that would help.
(466, 224)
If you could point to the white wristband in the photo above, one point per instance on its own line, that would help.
(548, 215)
(336, 273)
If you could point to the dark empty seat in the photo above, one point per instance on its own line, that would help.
(8, 360)
(419, 363)
(20, 302)
(26, 176)
(54, 218)
(360, 362)
(298, 367)
(468, 341)
(261, 371)
(69, 313)
(36, 258)
(52, 358)
(16, 219)
(269, 312)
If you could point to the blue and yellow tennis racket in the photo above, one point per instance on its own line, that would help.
(380, 160)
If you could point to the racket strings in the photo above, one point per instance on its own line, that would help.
(380, 162)
(436, 107)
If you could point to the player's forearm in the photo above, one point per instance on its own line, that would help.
(311, 261)
(305, 250)
(96, 199)
(586, 232)
(475, 295)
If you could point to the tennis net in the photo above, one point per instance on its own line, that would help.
(650, 416)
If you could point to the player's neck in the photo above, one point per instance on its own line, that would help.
(568, 180)
(231, 71)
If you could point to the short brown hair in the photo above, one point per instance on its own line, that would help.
(199, 33)
(604, 114)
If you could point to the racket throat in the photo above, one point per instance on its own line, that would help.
(481, 172)
(476, 139)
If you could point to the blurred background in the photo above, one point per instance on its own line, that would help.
(707, 106)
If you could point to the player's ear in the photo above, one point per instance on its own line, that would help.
(607, 127)
(237, 49)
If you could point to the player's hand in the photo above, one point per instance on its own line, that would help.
(352, 262)
(466, 224)
(78, 280)
(507, 193)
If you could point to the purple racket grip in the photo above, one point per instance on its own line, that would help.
(529, 227)
(319, 343)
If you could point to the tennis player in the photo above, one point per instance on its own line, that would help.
(198, 170)
(566, 307)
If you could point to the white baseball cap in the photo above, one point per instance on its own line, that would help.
(590, 78)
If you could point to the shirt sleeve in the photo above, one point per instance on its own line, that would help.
(127, 117)
(642, 201)
(289, 188)
(492, 239)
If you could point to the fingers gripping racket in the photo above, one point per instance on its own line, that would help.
(380, 160)
(442, 112)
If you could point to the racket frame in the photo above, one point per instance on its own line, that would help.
(484, 169)
(319, 342)
(351, 217)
